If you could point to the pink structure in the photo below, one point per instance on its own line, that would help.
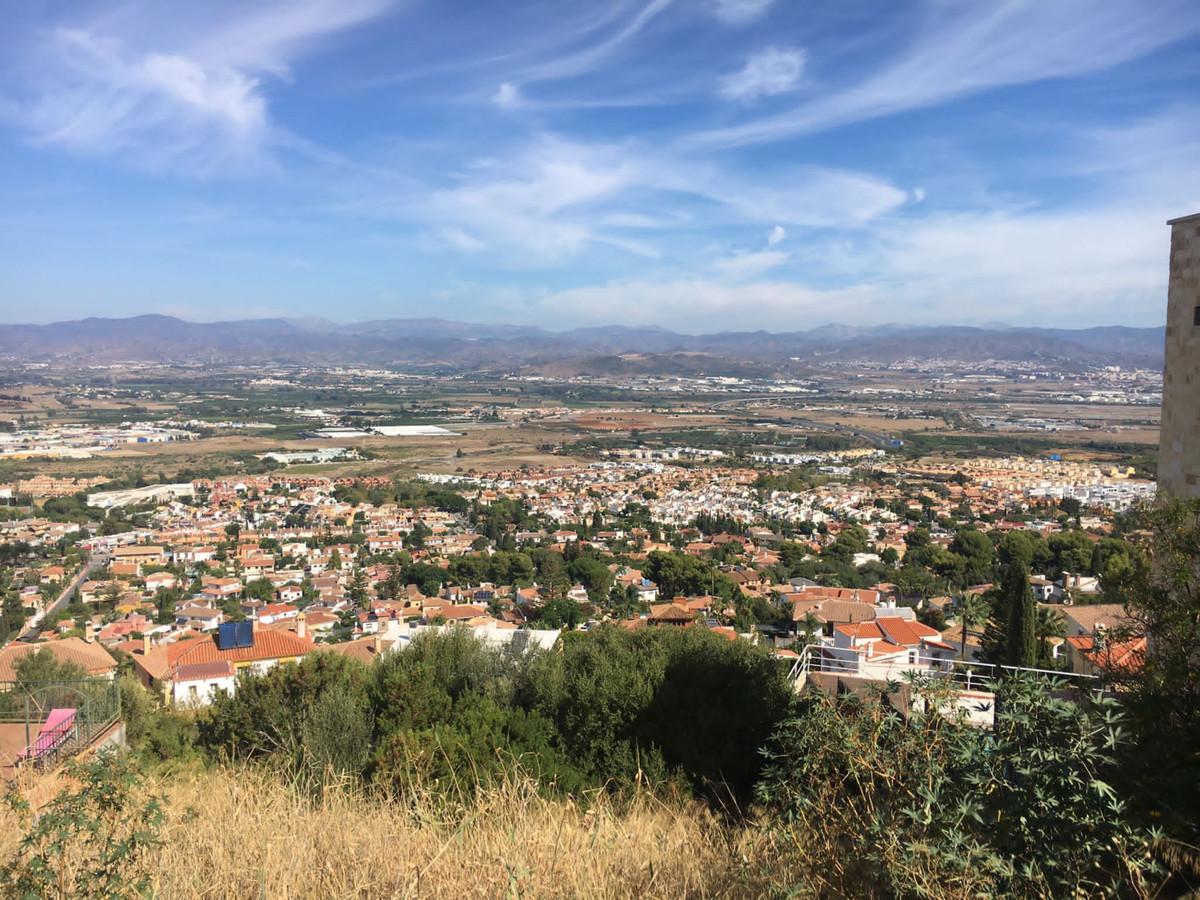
(57, 729)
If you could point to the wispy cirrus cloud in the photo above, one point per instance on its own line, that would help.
(962, 49)
(166, 104)
(547, 201)
(538, 201)
(159, 93)
(747, 265)
(809, 196)
(594, 52)
(740, 12)
(1098, 259)
(638, 159)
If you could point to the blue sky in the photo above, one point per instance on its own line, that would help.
(696, 164)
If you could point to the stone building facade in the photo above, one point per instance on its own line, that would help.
(1179, 439)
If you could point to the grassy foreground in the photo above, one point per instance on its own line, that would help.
(245, 832)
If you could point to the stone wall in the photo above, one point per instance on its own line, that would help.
(1179, 441)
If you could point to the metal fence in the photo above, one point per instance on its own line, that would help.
(56, 719)
(964, 675)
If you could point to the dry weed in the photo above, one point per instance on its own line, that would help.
(245, 832)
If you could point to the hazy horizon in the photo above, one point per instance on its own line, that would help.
(717, 165)
(316, 320)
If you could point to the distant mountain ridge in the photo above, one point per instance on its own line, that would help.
(612, 349)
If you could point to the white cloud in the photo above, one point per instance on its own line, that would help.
(775, 70)
(269, 36)
(461, 240)
(740, 12)
(636, 248)
(695, 304)
(811, 196)
(1100, 259)
(588, 58)
(224, 94)
(1071, 267)
(633, 220)
(744, 266)
(539, 202)
(918, 194)
(1064, 269)
(507, 95)
(549, 201)
(168, 90)
(962, 49)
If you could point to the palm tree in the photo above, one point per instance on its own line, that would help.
(810, 625)
(1049, 624)
(973, 611)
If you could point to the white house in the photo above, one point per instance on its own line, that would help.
(197, 685)
(886, 648)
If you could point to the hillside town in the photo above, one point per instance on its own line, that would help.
(585, 450)
(851, 564)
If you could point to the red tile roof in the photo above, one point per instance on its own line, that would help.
(1112, 656)
(904, 632)
(220, 668)
(827, 610)
(458, 611)
(670, 612)
(861, 630)
(92, 657)
(267, 645)
(885, 648)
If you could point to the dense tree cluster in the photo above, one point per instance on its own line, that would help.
(611, 708)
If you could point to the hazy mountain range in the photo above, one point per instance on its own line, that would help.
(600, 350)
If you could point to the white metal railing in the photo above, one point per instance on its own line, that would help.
(800, 666)
(814, 658)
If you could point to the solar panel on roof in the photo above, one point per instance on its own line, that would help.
(245, 634)
(227, 636)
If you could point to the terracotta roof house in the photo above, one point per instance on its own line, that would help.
(93, 658)
(142, 553)
(885, 648)
(52, 573)
(197, 684)
(670, 614)
(156, 580)
(1086, 619)
(829, 611)
(159, 667)
(455, 612)
(364, 649)
(819, 592)
(1095, 655)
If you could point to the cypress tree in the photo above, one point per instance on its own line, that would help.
(1020, 643)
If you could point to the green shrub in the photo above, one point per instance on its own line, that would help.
(639, 705)
(886, 805)
(155, 731)
(314, 717)
(91, 841)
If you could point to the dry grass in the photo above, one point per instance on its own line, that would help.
(247, 833)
